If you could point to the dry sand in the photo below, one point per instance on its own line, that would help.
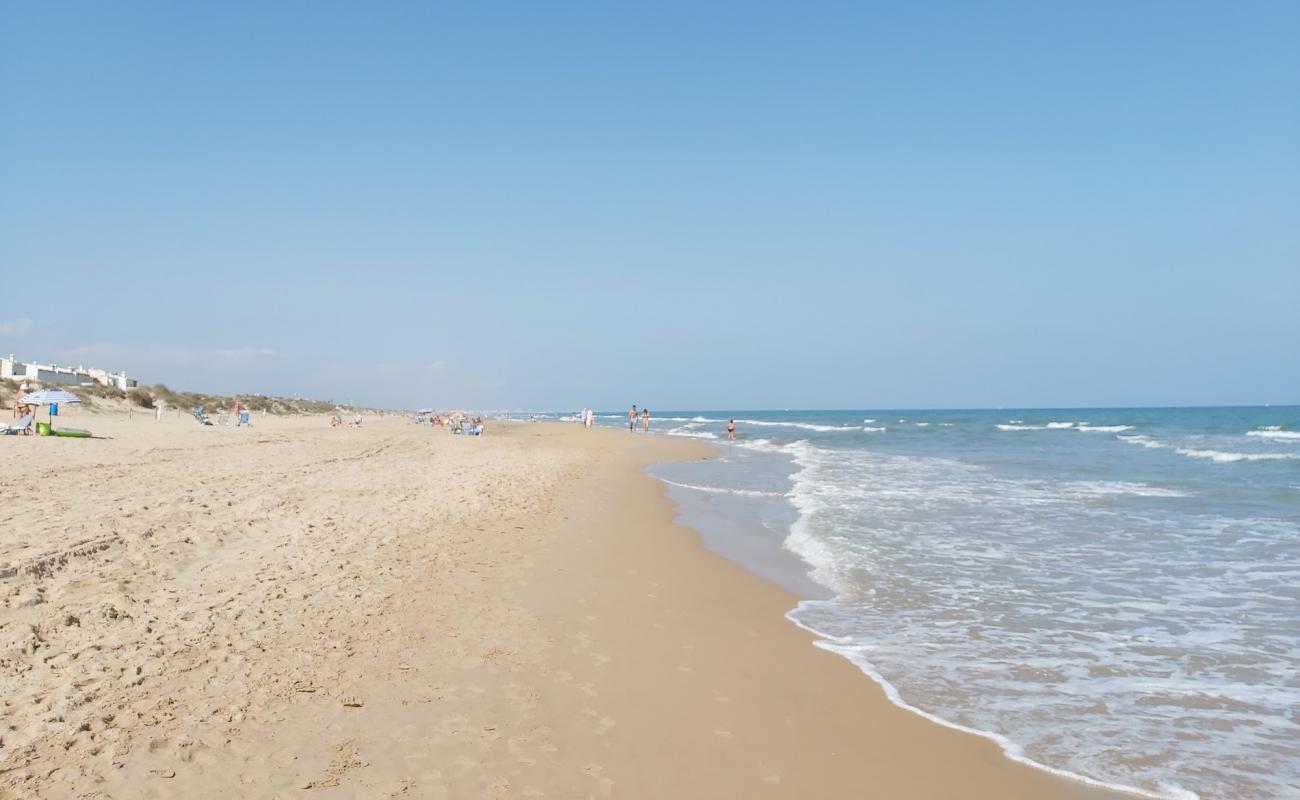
(298, 611)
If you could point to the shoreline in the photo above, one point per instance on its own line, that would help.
(803, 588)
(978, 765)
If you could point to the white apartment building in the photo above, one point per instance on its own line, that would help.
(52, 374)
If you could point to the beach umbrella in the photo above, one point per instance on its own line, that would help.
(49, 397)
(46, 397)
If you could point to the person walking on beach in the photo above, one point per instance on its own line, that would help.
(590, 417)
(645, 420)
(731, 430)
(631, 419)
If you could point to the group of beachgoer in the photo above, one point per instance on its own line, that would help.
(586, 417)
(644, 417)
(455, 422)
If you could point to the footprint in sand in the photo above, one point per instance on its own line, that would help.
(605, 784)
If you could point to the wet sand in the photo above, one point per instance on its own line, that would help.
(298, 611)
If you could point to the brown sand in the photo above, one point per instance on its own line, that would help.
(299, 611)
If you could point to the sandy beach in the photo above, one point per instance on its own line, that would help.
(295, 611)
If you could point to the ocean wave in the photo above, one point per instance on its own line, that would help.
(762, 446)
(1218, 456)
(1102, 488)
(692, 434)
(803, 426)
(1018, 425)
(922, 424)
(1105, 428)
(1145, 441)
(1275, 432)
(867, 421)
(722, 490)
(684, 419)
(869, 429)
(1228, 457)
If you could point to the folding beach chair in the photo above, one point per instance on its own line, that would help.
(23, 425)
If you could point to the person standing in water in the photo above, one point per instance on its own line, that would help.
(645, 420)
(731, 430)
(631, 419)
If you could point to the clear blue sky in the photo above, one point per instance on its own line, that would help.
(694, 205)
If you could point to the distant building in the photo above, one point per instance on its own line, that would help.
(51, 374)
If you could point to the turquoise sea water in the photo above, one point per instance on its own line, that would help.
(1112, 593)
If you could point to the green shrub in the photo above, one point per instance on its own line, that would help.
(99, 391)
(163, 395)
(141, 398)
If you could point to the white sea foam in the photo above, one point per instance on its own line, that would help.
(1275, 432)
(804, 426)
(1064, 426)
(722, 490)
(1101, 488)
(692, 434)
(1019, 425)
(1218, 456)
(869, 429)
(1145, 441)
(867, 421)
(986, 648)
(1010, 749)
(1229, 457)
(922, 424)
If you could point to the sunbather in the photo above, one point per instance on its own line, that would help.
(21, 409)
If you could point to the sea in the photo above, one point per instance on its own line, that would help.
(1111, 594)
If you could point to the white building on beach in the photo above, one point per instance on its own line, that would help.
(51, 374)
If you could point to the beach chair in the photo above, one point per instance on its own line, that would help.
(23, 425)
